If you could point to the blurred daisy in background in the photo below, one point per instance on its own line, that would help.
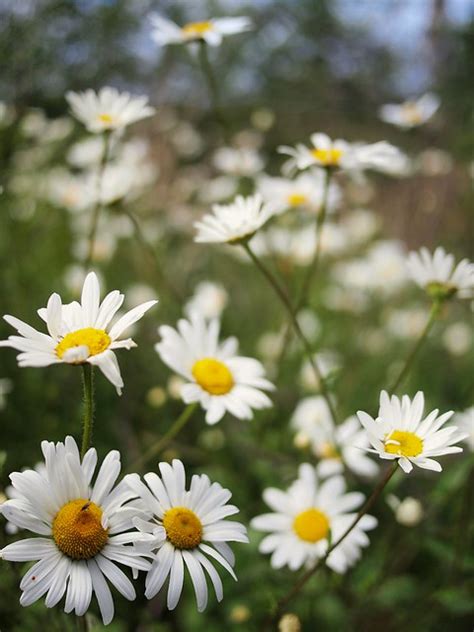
(408, 512)
(78, 332)
(85, 529)
(187, 528)
(400, 432)
(438, 274)
(217, 378)
(209, 300)
(465, 423)
(211, 31)
(308, 516)
(108, 109)
(238, 161)
(410, 114)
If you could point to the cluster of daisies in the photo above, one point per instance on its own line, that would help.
(89, 526)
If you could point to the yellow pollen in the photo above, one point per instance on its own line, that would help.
(106, 118)
(183, 528)
(327, 157)
(328, 451)
(197, 29)
(403, 443)
(97, 340)
(77, 529)
(311, 525)
(213, 376)
(297, 199)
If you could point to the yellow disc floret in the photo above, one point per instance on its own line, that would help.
(403, 443)
(97, 340)
(213, 376)
(77, 529)
(197, 29)
(327, 157)
(311, 525)
(297, 199)
(108, 119)
(183, 528)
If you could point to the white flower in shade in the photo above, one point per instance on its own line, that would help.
(408, 512)
(233, 223)
(465, 423)
(210, 31)
(238, 161)
(306, 191)
(78, 332)
(439, 275)
(218, 379)
(108, 109)
(335, 446)
(400, 432)
(85, 529)
(339, 154)
(410, 113)
(307, 517)
(209, 300)
(188, 528)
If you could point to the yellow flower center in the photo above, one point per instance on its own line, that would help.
(97, 340)
(328, 451)
(213, 376)
(403, 443)
(197, 29)
(327, 157)
(297, 199)
(183, 528)
(311, 525)
(108, 119)
(411, 113)
(77, 529)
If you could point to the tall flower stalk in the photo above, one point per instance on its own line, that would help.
(88, 407)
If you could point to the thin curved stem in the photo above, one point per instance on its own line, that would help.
(163, 441)
(435, 309)
(390, 471)
(212, 85)
(88, 413)
(296, 326)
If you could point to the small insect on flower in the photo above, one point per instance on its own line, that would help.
(210, 31)
(78, 332)
(400, 432)
(410, 114)
(187, 528)
(217, 378)
(85, 530)
(307, 517)
(108, 109)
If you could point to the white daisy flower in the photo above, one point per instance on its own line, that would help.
(209, 299)
(217, 378)
(233, 223)
(188, 527)
(307, 517)
(400, 432)
(84, 529)
(465, 423)
(78, 332)
(108, 109)
(410, 114)
(335, 446)
(339, 154)
(438, 274)
(210, 31)
(306, 191)
(238, 161)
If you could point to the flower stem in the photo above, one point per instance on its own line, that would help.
(163, 441)
(435, 309)
(82, 624)
(389, 472)
(296, 326)
(88, 415)
(212, 85)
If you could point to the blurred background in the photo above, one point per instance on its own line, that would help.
(308, 65)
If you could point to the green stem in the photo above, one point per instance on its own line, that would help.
(435, 309)
(88, 414)
(212, 84)
(296, 326)
(390, 471)
(82, 624)
(163, 441)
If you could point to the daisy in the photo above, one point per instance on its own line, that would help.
(339, 154)
(209, 299)
(307, 517)
(400, 432)
(108, 109)
(187, 528)
(238, 161)
(78, 332)
(84, 529)
(210, 31)
(439, 276)
(217, 378)
(465, 423)
(335, 446)
(233, 223)
(410, 114)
